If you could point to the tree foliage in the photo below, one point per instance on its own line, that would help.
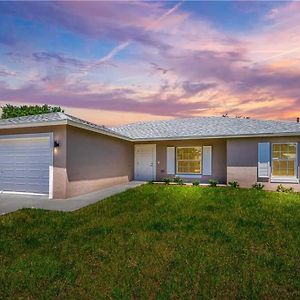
(12, 111)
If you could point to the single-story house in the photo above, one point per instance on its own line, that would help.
(63, 156)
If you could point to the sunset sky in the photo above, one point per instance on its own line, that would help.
(121, 62)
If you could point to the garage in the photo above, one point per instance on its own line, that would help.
(26, 163)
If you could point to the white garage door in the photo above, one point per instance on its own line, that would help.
(24, 164)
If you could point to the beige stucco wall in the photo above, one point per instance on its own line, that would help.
(96, 161)
(88, 161)
(242, 157)
(84, 161)
(59, 156)
(218, 157)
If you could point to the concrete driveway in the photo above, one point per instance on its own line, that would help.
(13, 202)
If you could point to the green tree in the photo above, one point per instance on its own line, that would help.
(12, 111)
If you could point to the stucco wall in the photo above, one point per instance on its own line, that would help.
(242, 157)
(218, 157)
(96, 161)
(87, 161)
(59, 156)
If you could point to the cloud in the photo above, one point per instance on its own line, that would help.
(276, 81)
(115, 100)
(6, 72)
(154, 24)
(57, 58)
(169, 62)
(192, 88)
(110, 20)
(159, 68)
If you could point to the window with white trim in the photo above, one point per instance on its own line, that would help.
(188, 160)
(284, 160)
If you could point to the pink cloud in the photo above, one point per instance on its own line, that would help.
(183, 66)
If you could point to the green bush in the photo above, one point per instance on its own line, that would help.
(258, 186)
(178, 180)
(213, 182)
(166, 180)
(196, 182)
(12, 111)
(234, 184)
(283, 189)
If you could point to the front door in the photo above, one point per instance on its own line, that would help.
(145, 162)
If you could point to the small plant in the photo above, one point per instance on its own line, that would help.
(196, 182)
(178, 180)
(167, 180)
(213, 182)
(283, 189)
(234, 184)
(258, 186)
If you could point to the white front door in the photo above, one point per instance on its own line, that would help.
(145, 162)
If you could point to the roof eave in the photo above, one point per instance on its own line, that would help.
(30, 125)
(97, 130)
(64, 122)
(216, 137)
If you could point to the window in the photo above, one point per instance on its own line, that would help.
(284, 160)
(188, 160)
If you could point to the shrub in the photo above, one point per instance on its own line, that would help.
(213, 182)
(196, 182)
(283, 189)
(234, 184)
(178, 180)
(258, 186)
(166, 180)
(12, 111)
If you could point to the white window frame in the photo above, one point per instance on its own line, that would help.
(189, 175)
(288, 179)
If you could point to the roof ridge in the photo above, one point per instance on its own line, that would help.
(200, 117)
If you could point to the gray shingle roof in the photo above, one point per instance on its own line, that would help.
(169, 129)
(206, 127)
(53, 118)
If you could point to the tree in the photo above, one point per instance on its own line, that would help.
(12, 111)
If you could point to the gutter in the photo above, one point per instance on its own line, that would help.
(216, 137)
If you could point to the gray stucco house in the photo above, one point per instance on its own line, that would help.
(63, 156)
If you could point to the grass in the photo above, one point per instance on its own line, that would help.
(157, 242)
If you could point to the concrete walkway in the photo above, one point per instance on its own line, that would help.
(13, 202)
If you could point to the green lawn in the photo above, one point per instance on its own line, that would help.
(157, 242)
